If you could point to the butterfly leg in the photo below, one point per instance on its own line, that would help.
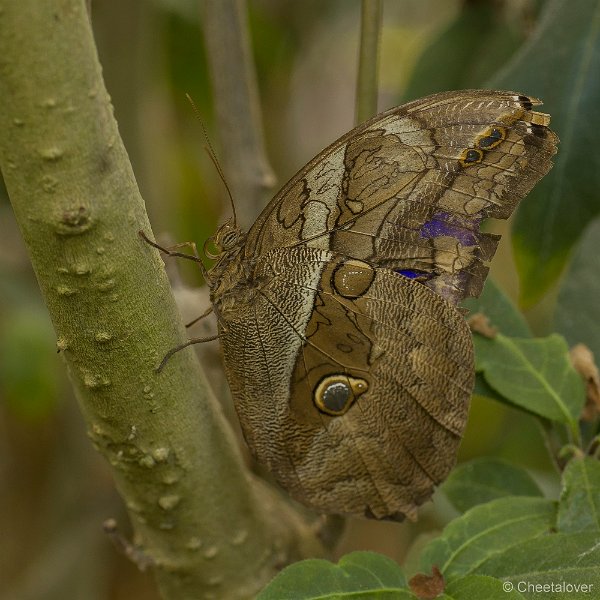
(191, 341)
(170, 250)
(202, 316)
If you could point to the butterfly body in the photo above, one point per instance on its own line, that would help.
(349, 364)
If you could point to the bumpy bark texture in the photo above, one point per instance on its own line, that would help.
(207, 528)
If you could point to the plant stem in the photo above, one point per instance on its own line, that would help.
(236, 99)
(548, 432)
(575, 434)
(368, 64)
(209, 529)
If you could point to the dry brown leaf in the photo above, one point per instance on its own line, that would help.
(427, 587)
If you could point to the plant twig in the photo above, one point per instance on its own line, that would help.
(368, 63)
(235, 91)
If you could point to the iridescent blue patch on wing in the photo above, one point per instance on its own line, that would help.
(410, 273)
(449, 225)
(453, 283)
(422, 276)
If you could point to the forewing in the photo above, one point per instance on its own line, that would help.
(408, 190)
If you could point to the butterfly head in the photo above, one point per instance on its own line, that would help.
(226, 239)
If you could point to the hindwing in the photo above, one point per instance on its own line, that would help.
(351, 382)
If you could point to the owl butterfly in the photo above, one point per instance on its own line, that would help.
(350, 366)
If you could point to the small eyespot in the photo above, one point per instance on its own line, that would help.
(352, 278)
(492, 138)
(471, 156)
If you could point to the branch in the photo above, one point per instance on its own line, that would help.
(224, 23)
(368, 63)
(205, 525)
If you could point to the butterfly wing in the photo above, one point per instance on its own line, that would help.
(409, 189)
(351, 383)
(349, 364)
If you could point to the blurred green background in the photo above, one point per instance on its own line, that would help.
(54, 490)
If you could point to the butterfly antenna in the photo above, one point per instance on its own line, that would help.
(213, 157)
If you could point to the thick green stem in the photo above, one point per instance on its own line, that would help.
(210, 530)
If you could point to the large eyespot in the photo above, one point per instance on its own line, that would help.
(352, 278)
(335, 394)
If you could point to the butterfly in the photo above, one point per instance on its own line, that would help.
(349, 361)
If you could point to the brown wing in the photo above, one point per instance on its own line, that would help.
(351, 383)
(409, 188)
(351, 380)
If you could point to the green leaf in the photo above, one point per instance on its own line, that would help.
(481, 587)
(534, 374)
(485, 479)
(577, 313)
(579, 506)
(500, 310)
(483, 389)
(560, 65)
(359, 575)
(552, 560)
(503, 315)
(486, 530)
(457, 58)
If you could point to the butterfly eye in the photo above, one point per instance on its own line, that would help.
(229, 240)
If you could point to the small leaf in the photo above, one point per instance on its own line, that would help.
(481, 587)
(499, 309)
(359, 576)
(485, 479)
(579, 506)
(534, 374)
(486, 530)
(566, 562)
(560, 65)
